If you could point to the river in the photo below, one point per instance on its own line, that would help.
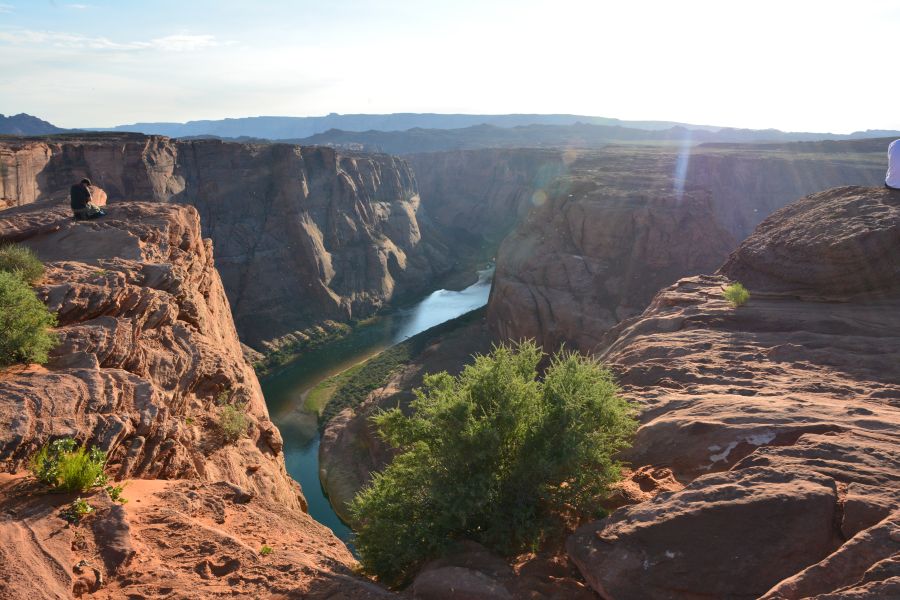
(285, 392)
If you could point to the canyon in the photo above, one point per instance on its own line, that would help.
(302, 235)
(310, 236)
(790, 398)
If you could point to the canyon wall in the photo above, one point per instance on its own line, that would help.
(626, 221)
(302, 234)
(147, 360)
(484, 193)
(780, 417)
(747, 185)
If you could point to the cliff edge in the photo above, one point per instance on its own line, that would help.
(148, 357)
(780, 416)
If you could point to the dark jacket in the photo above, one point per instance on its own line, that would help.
(81, 195)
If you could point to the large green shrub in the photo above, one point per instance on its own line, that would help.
(492, 455)
(64, 465)
(22, 261)
(24, 323)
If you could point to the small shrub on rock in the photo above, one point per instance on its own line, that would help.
(233, 421)
(65, 466)
(21, 261)
(24, 323)
(493, 455)
(737, 294)
(76, 511)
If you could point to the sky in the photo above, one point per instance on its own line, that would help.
(795, 65)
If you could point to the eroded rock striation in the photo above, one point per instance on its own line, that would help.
(302, 234)
(148, 357)
(781, 416)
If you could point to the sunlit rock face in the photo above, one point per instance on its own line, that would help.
(146, 346)
(780, 415)
(302, 234)
(147, 357)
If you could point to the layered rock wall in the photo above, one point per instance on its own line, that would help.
(484, 193)
(623, 222)
(147, 354)
(302, 234)
(591, 256)
(748, 186)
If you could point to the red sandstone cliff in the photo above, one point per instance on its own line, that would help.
(148, 352)
(781, 417)
(302, 234)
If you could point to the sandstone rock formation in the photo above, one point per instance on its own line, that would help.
(780, 415)
(479, 195)
(624, 222)
(148, 355)
(747, 183)
(302, 234)
(592, 256)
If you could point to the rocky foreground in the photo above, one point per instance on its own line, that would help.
(148, 356)
(780, 417)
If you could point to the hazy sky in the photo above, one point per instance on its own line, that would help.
(792, 64)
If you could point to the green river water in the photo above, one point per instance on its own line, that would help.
(285, 391)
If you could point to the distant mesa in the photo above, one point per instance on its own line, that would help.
(25, 124)
(406, 133)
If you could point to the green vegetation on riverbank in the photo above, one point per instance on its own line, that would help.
(349, 388)
(291, 347)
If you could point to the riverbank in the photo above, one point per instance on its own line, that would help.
(351, 450)
(298, 396)
(351, 387)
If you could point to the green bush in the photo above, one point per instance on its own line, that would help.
(737, 294)
(65, 466)
(494, 455)
(24, 323)
(21, 261)
(233, 421)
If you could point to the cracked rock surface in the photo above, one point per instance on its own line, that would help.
(781, 416)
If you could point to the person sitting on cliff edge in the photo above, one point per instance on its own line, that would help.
(892, 179)
(82, 206)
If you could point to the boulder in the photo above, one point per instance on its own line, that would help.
(726, 535)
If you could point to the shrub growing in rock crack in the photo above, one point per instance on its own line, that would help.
(233, 421)
(21, 261)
